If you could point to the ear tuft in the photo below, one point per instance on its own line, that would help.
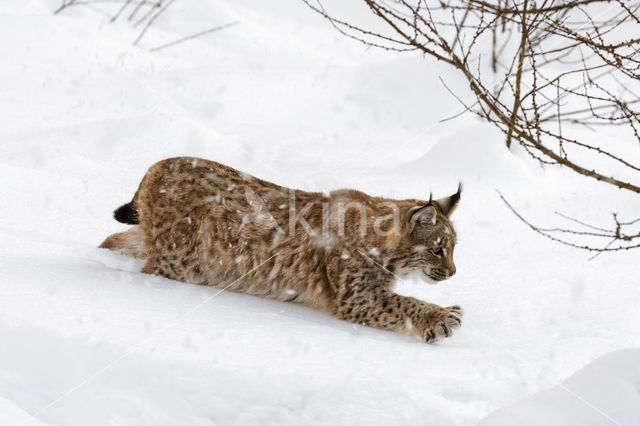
(448, 205)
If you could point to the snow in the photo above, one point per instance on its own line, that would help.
(607, 391)
(87, 339)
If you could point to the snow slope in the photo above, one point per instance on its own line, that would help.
(610, 385)
(86, 339)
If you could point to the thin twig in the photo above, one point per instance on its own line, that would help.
(192, 36)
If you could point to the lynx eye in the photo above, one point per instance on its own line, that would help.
(437, 251)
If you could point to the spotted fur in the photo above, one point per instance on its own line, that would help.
(203, 222)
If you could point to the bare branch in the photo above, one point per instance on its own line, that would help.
(575, 64)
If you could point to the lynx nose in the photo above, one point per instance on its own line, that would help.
(451, 271)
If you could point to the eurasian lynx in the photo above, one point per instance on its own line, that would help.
(202, 222)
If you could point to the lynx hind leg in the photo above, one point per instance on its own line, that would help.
(130, 243)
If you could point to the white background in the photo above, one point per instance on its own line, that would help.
(86, 339)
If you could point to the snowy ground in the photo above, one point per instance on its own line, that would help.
(86, 339)
(610, 386)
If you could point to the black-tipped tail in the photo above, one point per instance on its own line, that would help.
(126, 214)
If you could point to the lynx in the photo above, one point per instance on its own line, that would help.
(202, 222)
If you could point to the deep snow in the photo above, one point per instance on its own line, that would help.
(611, 382)
(86, 339)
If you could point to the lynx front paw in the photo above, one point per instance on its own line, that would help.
(443, 323)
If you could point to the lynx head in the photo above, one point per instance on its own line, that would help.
(429, 240)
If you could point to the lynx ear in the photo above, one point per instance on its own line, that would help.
(425, 215)
(448, 205)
